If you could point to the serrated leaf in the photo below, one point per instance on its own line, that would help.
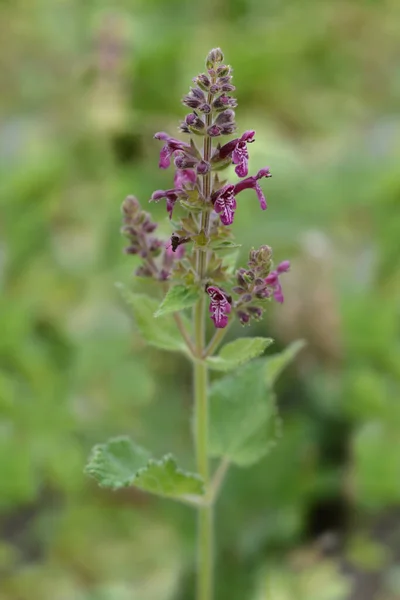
(121, 463)
(177, 298)
(276, 363)
(161, 333)
(239, 352)
(242, 411)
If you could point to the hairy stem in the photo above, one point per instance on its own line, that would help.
(205, 531)
(205, 513)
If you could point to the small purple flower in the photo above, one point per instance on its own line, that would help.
(171, 145)
(273, 282)
(240, 155)
(184, 177)
(225, 199)
(225, 204)
(170, 195)
(252, 183)
(237, 150)
(220, 306)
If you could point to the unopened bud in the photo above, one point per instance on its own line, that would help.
(223, 70)
(214, 56)
(130, 206)
(203, 82)
(244, 317)
(203, 167)
(214, 131)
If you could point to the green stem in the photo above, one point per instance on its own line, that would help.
(205, 513)
(205, 532)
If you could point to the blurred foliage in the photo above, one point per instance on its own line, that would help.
(84, 87)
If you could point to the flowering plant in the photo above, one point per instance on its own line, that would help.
(235, 417)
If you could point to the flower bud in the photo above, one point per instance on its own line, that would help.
(130, 206)
(246, 298)
(214, 89)
(244, 317)
(255, 311)
(182, 161)
(205, 108)
(214, 56)
(227, 116)
(203, 167)
(223, 102)
(214, 131)
(203, 82)
(195, 124)
(224, 70)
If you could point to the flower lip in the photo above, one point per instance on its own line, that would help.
(220, 306)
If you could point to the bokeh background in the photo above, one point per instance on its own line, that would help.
(84, 87)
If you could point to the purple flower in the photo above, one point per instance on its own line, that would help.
(171, 145)
(184, 177)
(225, 199)
(237, 149)
(225, 204)
(273, 282)
(220, 306)
(170, 195)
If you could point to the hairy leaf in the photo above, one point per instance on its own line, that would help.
(121, 463)
(243, 414)
(161, 333)
(177, 298)
(239, 352)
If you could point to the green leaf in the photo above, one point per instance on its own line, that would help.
(121, 463)
(276, 363)
(177, 298)
(161, 333)
(236, 353)
(224, 245)
(242, 415)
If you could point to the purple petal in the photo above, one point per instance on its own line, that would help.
(158, 195)
(184, 177)
(283, 267)
(170, 205)
(165, 157)
(240, 157)
(261, 197)
(278, 294)
(265, 172)
(161, 135)
(248, 136)
(225, 205)
(272, 278)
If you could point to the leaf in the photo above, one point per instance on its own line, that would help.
(236, 353)
(242, 413)
(121, 463)
(161, 333)
(177, 298)
(276, 363)
(243, 416)
(224, 245)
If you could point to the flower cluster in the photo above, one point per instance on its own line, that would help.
(157, 256)
(258, 283)
(193, 253)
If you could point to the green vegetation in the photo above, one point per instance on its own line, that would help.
(84, 88)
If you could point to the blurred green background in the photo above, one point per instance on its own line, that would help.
(84, 87)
